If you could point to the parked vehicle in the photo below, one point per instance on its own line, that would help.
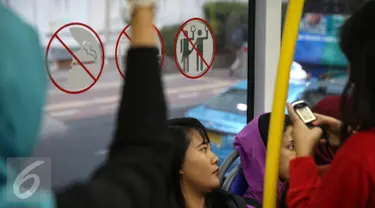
(225, 114)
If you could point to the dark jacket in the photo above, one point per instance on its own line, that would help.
(136, 171)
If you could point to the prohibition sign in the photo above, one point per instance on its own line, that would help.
(200, 56)
(123, 32)
(55, 35)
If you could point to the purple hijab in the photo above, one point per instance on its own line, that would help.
(251, 145)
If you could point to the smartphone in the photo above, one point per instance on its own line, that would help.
(304, 112)
(307, 116)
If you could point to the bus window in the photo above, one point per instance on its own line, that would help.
(78, 127)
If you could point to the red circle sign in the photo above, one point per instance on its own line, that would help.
(123, 32)
(208, 65)
(55, 35)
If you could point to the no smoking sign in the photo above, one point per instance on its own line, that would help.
(123, 43)
(87, 62)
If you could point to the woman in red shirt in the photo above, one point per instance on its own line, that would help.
(329, 106)
(350, 180)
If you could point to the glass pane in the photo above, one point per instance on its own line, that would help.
(223, 111)
(78, 128)
(318, 51)
(231, 101)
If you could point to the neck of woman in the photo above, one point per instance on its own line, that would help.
(193, 197)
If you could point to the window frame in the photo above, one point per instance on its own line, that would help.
(251, 61)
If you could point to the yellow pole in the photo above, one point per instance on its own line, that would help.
(288, 44)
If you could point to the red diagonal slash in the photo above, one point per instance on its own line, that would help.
(75, 57)
(126, 34)
(195, 48)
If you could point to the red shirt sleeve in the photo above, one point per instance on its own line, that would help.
(345, 184)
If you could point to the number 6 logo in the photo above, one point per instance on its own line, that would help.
(22, 177)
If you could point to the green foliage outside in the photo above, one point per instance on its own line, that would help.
(223, 17)
(169, 34)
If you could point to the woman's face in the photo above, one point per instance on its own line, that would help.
(200, 168)
(287, 153)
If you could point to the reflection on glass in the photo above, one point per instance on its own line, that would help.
(317, 41)
(89, 117)
(241, 107)
(313, 23)
(228, 101)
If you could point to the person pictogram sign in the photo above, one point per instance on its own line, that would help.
(87, 62)
(195, 48)
(123, 43)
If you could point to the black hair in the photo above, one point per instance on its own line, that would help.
(283, 196)
(180, 129)
(264, 123)
(357, 42)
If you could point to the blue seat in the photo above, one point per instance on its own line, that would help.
(234, 181)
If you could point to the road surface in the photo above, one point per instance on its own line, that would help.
(78, 128)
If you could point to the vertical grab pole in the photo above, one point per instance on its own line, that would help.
(288, 44)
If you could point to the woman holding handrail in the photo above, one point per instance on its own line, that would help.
(137, 169)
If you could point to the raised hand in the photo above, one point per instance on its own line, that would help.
(305, 138)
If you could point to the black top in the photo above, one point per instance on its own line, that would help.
(223, 199)
(136, 171)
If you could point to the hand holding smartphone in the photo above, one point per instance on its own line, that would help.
(307, 116)
(304, 112)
